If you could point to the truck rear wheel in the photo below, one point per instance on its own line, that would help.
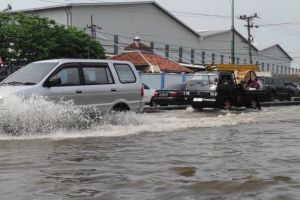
(227, 104)
(253, 104)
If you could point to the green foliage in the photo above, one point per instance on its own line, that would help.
(30, 38)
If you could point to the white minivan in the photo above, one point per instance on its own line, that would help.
(106, 84)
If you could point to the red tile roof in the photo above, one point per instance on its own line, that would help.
(141, 55)
(137, 45)
(144, 59)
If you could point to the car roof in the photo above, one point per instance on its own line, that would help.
(66, 60)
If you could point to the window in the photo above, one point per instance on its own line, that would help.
(237, 60)
(222, 59)
(268, 80)
(146, 87)
(213, 56)
(97, 75)
(263, 66)
(68, 76)
(32, 73)
(226, 80)
(125, 73)
(245, 61)
(268, 67)
(203, 57)
(285, 69)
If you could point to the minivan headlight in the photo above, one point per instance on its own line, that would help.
(213, 94)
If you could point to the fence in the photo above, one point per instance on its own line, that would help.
(163, 80)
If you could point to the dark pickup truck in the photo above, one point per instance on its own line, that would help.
(219, 89)
(277, 89)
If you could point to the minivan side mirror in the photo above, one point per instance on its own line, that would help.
(53, 81)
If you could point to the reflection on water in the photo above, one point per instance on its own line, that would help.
(166, 155)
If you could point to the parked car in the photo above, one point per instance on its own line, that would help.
(106, 84)
(293, 87)
(174, 95)
(148, 94)
(276, 89)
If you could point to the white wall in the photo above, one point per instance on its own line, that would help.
(274, 57)
(152, 24)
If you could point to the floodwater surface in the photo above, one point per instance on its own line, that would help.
(58, 153)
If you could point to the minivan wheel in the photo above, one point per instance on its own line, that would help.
(120, 108)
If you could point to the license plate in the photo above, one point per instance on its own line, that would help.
(163, 94)
(198, 99)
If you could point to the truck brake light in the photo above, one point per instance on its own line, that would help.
(173, 94)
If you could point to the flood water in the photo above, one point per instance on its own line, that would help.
(180, 154)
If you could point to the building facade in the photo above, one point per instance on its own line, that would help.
(115, 25)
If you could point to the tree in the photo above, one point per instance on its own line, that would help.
(30, 38)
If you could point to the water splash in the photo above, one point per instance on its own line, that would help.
(36, 117)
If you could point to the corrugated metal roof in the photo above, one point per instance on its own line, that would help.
(205, 34)
(212, 33)
(278, 46)
(112, 3)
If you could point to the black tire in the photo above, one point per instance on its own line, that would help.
(289, 98)
(253, 104)
(227, 104)
(271, 96)
(120, 108)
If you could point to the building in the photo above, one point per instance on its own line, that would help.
(116, 24)
(145, 60)
(276, 60)
(216, 47)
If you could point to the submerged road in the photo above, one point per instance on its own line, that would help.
(177, 154)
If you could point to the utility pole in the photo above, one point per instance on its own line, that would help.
(93, 28)
(232, 33)
(250, 25)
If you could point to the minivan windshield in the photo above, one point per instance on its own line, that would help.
(205, 78)
(30, 74)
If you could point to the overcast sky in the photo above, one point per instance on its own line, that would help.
(285, 13)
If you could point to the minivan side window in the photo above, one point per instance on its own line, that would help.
(125, 73)
(97, 75)
(68, 76)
